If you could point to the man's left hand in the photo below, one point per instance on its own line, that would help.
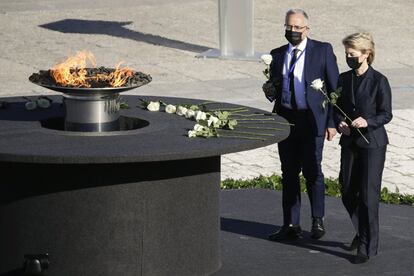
(330, 133)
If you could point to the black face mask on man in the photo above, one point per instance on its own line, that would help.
(293, 37)
(353, 62)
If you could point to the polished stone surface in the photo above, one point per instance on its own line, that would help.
(23, 139)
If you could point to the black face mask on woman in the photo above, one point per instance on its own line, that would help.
(293, 37)
(353, 62)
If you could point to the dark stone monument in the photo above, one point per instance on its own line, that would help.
(143, 200)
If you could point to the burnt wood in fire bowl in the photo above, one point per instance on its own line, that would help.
(137, 202)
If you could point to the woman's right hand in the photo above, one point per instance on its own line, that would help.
(344, 128)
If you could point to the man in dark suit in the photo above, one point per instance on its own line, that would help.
(294, 66)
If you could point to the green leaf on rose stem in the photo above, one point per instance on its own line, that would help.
(143, 103)
(123, 105)
(194, 107)
(222, 115)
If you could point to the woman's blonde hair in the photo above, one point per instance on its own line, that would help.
(361, 42)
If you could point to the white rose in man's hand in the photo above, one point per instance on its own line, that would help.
(317, 84)
(153, 106)
(266, 59)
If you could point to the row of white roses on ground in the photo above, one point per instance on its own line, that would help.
(216, 122)
(214, 119)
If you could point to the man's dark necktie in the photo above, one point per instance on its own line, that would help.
(291, 80)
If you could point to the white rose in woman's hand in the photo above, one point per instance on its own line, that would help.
(170, 109)
(153, 106)
(266, 59)
(317, 84)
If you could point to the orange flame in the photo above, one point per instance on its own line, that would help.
(72, 72)
(120, 75)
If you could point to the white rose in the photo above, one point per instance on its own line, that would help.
(267, 59)
(192, 133)
(153, 106)
(317, 84)
(200, 116)
(30, 105)
(43, 103)
(181, 110)
(190, 114)
(170, 109)
(198, 127)
(212, 121)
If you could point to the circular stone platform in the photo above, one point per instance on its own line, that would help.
(136, 202)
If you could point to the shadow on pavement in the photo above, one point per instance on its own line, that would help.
(117, 29)
(262, 230)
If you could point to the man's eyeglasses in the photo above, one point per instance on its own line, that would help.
(294, 28)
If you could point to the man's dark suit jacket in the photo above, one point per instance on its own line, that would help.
(320, 63)
(372, 101)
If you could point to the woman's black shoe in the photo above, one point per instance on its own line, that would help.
(360, 259)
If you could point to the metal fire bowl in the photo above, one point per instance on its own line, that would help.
(90, 109)
(76, 91)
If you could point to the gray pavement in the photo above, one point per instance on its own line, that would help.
(162, 37)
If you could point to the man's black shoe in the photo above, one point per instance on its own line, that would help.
(287, 232)
(318, 230)
(355, 243)
(360, 259)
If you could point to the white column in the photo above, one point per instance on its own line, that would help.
(236, 31)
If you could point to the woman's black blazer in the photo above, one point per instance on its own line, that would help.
(371, 101)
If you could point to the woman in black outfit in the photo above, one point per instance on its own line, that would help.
(366, 99)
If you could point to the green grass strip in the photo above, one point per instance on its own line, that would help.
(332, 186)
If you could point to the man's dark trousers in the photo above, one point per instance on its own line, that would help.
(301, 151)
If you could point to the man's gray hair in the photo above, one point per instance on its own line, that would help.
(295, 11)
